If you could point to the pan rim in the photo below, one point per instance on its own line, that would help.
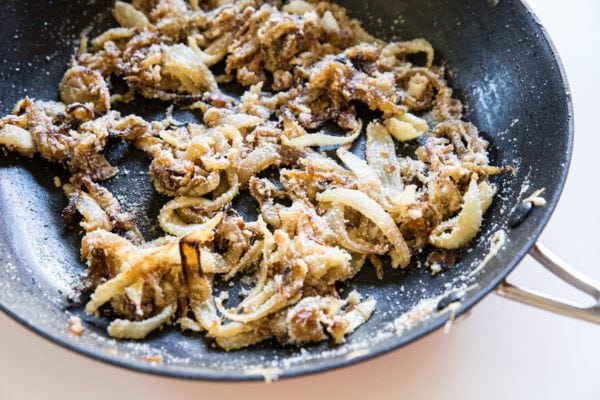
(383, 347)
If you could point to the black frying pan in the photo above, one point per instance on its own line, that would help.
(503, 67)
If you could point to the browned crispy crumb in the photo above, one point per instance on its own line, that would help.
(75, 326)
(153, 358)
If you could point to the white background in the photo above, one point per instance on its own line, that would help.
(502, 351)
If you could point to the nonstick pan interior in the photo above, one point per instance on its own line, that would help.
(503, 68)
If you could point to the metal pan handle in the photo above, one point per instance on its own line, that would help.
(560, 306)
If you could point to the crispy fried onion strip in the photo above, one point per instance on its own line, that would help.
(373, 211)
(126, 329)
(462, 228)
(199, 285)
(335, 218)
(172, 223)
(322, 139)
(380, 176)
(258, 160)
(381, 156)
(311, 317)
(134, 263)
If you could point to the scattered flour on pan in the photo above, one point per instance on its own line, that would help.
(421, 312)
(497, 241)
(427, 308)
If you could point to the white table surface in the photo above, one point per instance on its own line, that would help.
(502, 350)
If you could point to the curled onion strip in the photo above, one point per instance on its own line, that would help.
(171, 223)
(126, 329)
(259, 159)
(112, 34)
(140, 263)
(208, 59)
(198, 283)
(335, 219)
(381, 156)
(128, 16)
(235, 335)
(373, 211)
(250, 257)
(273, 304)
(366, 177)
(461, 229)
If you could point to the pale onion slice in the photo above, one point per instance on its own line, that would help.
(461, 229)
(408, 196)
(417, 85)
(406, 126)
(272, 305)
(141, 263)
(229, 329)
(381, 156)
(183, 64)
(329, 22)
(126, 329)
(321, 139)
(325, 263)
(486, 195)
(17, 139)
(208, 59)
(535, 198)
(128, 16)
(323, 163)
(232, 135)
(94, 217)
(373, 211)
(258, 295)
(366, 177)
(418, 123)
(213, 263)
(243, 122)
(85, 86)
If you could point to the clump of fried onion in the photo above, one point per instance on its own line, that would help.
(320, 220)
